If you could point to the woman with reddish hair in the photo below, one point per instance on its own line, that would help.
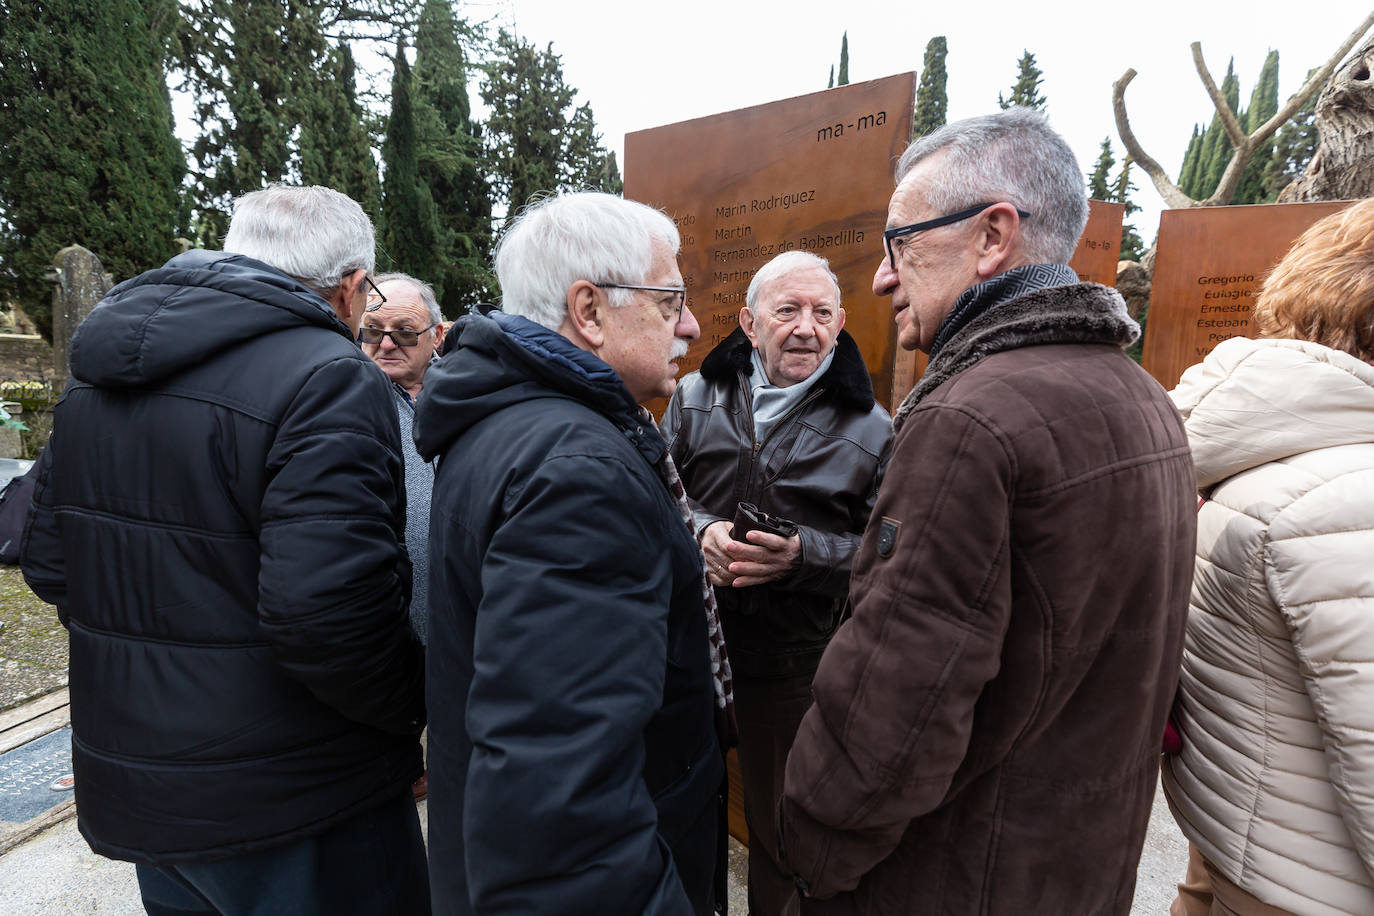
(1274, 786)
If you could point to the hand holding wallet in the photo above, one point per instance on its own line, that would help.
(749, 517)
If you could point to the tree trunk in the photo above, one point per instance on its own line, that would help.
(1343, 166)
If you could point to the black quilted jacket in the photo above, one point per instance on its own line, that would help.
(218, 520)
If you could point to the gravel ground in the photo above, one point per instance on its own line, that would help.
(33, 644)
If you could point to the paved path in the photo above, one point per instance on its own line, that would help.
(55, 872)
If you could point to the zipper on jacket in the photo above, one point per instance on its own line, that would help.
(815, 392)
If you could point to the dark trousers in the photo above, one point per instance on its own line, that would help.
(373, 863)
(769, 712)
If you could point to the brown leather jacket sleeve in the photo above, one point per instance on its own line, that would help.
(895, 692)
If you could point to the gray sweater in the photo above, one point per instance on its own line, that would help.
(419, 483)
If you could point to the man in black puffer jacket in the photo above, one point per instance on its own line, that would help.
(218, 520)
(573, 760)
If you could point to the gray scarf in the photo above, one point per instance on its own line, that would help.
(772, 403)
(1080, 313)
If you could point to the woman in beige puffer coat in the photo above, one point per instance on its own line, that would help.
(1274, 787)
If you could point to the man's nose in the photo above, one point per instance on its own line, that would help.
(388, 343)
(884, 278)
(805, 326)
(687, 327)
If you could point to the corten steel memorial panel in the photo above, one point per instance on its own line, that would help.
(811, 173)
(1094, 260)
(1208, 270)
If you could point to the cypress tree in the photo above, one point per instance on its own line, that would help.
(831, 84)
(87, 152)
(335, 143)
(1294, 147)
(1264, 102)
(1026, 90)
(1187, 175)
(410, 226)
(527, 98)
(1132, 248)
(1216, 146)
(450, 150)
(252, 65)
(1097, 181)
(932, 104)
(844, 60)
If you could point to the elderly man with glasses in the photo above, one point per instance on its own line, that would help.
(575, 663)
(986, 730)
(781, 418)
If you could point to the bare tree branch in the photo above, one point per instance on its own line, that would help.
(1171, 193)
(1223, 107)
(1244, 146)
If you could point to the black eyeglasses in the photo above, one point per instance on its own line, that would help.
(901, 232)
(680, 291)
(401, 338)
(376, 300)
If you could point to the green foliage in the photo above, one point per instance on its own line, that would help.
(1204, 163)
(335, 143)
(1026, 90)
(1132, 247)
(932, 104)
(254, 67)
(410, 224)
(1097, 180)
(831, 84)
(1294, 147)
(843, 79)
(449, 160)
(1264, 104)
(533, 145)
(87, 152)
(1192, 160)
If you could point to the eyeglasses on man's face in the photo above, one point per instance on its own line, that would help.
(897, 237)
(401, 337)
(679, 293)
(375, 299)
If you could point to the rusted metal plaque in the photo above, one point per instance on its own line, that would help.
(1208, 270)
(1095, 261)
(812, 173)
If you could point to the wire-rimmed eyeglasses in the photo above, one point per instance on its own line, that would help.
(401, 337)
(375, 299)
(680, 291)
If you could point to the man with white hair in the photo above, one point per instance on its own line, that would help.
(780, 417)
(218, 521)
(573, 756)
(986, 730)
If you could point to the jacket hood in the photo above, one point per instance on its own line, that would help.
(847, 375)
(1251, 402)
(494, 360)
(198, 304)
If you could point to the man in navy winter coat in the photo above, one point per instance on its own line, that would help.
(218, 521)
(573, 758)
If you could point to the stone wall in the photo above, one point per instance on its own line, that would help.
(25, 358)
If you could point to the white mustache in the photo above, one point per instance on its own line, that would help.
(679, 348)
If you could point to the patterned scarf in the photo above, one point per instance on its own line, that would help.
(727, 728)
(989, 294)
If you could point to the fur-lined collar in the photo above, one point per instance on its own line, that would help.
(847, 376)
(1082, 313)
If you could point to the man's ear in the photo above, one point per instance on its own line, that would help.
(344, 295)
(839, 320)
(746, 323)
(998, 241)
(585, 322)
(439, 329)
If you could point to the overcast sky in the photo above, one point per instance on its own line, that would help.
(643, 65)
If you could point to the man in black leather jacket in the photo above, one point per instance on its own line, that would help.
(218, 520)
(781, 416)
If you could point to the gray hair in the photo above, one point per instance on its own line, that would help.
(314, 234)
(586, 235)
(789, 262)
(426, 292)
(1013, 155)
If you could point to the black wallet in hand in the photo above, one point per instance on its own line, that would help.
(749, 517)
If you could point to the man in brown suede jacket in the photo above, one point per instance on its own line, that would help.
(986, 730)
